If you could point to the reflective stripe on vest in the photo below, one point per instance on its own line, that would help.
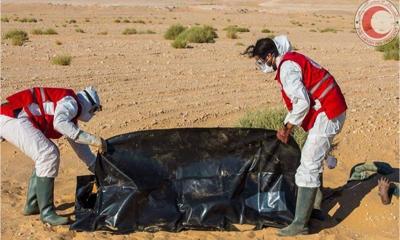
(312, 91)
(327, 89)
(42, 94)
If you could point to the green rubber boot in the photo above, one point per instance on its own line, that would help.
(304, 206)
(31, 205)
(45, 198)
(316, 212)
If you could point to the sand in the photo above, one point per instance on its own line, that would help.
(146, 84)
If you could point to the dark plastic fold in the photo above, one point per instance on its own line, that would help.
(195, 178)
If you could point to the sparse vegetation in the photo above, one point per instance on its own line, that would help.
(179, 43)
(183, 35)
(58, 42)
(79, 30)
(129, 21)
(48, 31)
(129, 31)
(62, 60)
(313, 30)
(71, 21)
(173, 31)
(239, 44)
(18, 37)
(266, 30)
(205, 34)
(236, 28)
(37, 31)
(87, 20)
(231, 35)
(271, 119)
(147, 32)
(24, 20)
(5, 19)
(102, 33)
(332, 30)
(18, 40)
(390, 50)
(231, 31)
(139, 21)
(299, 24)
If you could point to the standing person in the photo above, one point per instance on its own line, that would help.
(316, 103)
(30, 118)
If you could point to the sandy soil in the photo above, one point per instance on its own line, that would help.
(147, 84)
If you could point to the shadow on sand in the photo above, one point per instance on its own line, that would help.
(348, 197)
(66, 206)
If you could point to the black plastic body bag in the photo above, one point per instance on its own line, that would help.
(189, 178)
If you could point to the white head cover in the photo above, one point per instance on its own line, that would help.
(282, 44)
(89, 101)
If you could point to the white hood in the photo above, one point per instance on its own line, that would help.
(282, 44)
(86, 104)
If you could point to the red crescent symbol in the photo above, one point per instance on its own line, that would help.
(367, 19)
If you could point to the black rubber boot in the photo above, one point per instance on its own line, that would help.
(31, 205)
(45, 198)
(304, 206)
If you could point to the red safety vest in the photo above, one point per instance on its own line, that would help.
(320, 86)
(46, 99)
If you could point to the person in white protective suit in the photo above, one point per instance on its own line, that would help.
(30, 118)
(314, 102)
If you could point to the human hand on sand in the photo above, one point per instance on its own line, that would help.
(383, 190)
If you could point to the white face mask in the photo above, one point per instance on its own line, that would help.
(263, 67)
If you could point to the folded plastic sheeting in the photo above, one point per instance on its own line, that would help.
(179, 179)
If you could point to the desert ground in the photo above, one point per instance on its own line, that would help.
(144, 83)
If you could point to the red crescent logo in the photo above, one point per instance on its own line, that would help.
(367, 19)
(382, 12)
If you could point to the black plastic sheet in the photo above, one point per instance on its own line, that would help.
(197, 178)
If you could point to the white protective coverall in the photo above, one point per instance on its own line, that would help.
(33, 143)
(321, 135)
